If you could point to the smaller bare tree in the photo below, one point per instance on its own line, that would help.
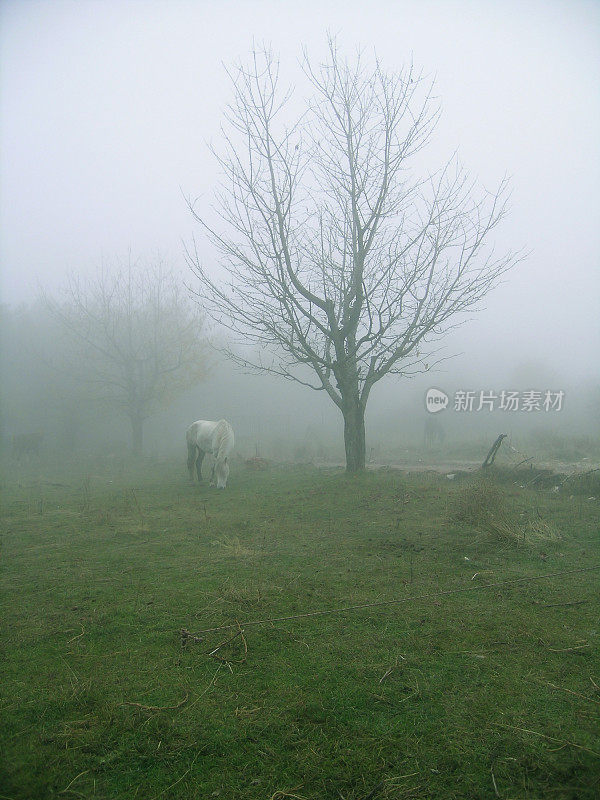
(134, 338)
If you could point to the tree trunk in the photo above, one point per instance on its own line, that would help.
(354, 436)
(137, 430)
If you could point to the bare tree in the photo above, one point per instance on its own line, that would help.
(134, 337)
(340, 265)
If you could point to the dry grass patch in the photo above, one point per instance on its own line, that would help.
(484, 505)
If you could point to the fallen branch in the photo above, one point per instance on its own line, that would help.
(186, 635)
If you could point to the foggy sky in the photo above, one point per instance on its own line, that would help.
(106, 108)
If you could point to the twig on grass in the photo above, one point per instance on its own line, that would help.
(160, 794)
(229, 661)
(382, 698)
(155, 708)
(389, 671)
(243, 639)
(570, 691)
(226, 641)
(280, 794)
(67, 788)
(204, 691)
(559, 605)
(569, 649)
(563, 742)
(496, 792)
(386, 674)
(79, 635)
(397, 704)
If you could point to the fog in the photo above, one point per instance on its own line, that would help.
(107, 109)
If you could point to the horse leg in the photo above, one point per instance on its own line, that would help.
(212, 473)
(222, 473)
(191, 459)
(199, 465)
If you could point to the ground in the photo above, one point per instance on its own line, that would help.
(480, 694)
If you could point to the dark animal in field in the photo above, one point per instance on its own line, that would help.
(433, 433)
(217, 438)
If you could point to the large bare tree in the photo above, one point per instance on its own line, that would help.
(341, 265)
(134, 336)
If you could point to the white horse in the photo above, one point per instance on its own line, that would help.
(210, 437)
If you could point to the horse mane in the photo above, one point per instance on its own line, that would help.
(222, 440)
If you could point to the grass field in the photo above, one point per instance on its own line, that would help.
(483, 694)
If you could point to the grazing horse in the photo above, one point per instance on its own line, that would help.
(210, 437)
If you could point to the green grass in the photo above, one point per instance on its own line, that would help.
(434, 698)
